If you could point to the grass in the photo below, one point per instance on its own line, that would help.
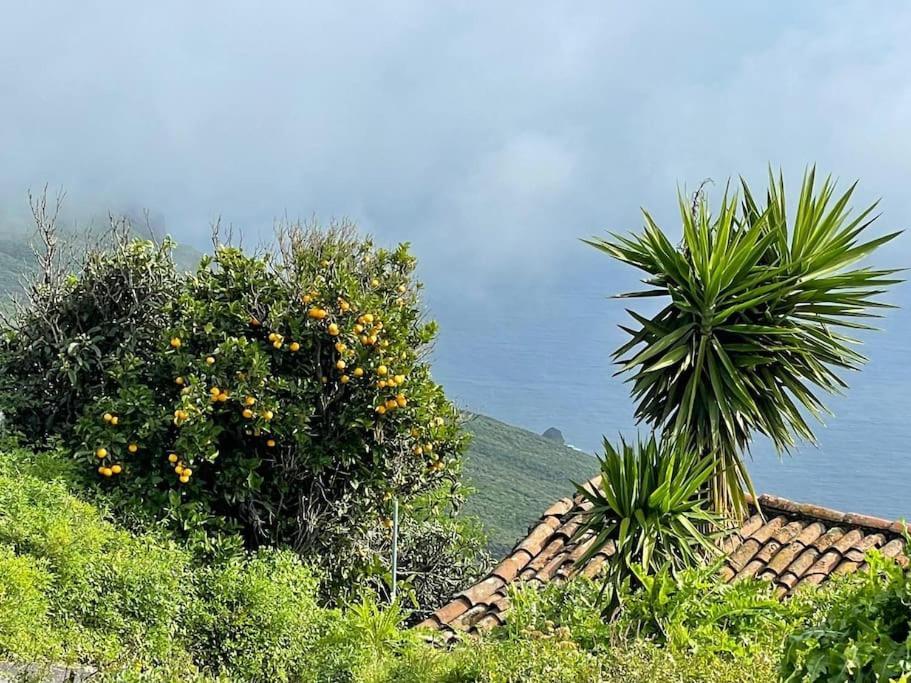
(516, 475)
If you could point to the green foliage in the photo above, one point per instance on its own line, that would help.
(754, 323)
(75, 588)
(286, 397)
(56, 353)
(105, 593)
(438, 555)
(865, 635)
(257, 619)
(650, 506)
(533, 470)
(24, 623)
(694, 611)
(78, 589)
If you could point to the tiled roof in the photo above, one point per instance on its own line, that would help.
(791, 544)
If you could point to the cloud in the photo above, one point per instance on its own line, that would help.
(491, 134)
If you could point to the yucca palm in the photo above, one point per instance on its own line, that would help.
(651, 502)
(755, 327)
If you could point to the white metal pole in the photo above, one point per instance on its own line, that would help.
(395, 545)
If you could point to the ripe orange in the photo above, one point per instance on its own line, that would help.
(175, 342)
(210, 360)
(340, 347)
(268, 415)
(178, 381)
(187, 472)
(333, 329)
(317, 313)
(172, 458)
(132, 448)
(340, 365)
(116, 469)
(106, 471)
(294, 346)
(401, 401)
(400, 379)
(271, 443)
(247, 413)
(249, 401)
(381, 410)
(184, 480)
(358, 372)
(344, 379)
(107, 417)
(382, 371)
(102, 452)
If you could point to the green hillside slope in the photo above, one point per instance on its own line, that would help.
(516, 475)
(17, 259)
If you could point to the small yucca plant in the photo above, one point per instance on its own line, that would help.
(754, 327)
(651, 502)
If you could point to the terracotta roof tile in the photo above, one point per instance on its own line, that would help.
(794, 545)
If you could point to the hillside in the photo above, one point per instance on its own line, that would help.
(17, 259)
(509, 463)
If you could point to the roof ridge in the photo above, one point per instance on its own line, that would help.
(791, 507)
(789, 543)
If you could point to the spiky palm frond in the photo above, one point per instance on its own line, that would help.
(757, 323)
(651, 503)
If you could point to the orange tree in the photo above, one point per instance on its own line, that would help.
(289, 399)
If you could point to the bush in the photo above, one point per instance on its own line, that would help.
(55, 355)
(286, 397)
(865, 634)
(106, 593)
(651, 504)
(257, 619)
(291, 396)
(77, 589)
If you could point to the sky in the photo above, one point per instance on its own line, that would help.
(492, 136)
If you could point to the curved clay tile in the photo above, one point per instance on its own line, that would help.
(794, 545)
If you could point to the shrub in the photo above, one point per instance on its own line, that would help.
(77, 589)
(55, 353)
(291, 396)
(650, 504)
(286, 397)
(257, 619)
(24, 623)
(864, 635)
(106, 593)
(438, 555)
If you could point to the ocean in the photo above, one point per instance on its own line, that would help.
(541, 358)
